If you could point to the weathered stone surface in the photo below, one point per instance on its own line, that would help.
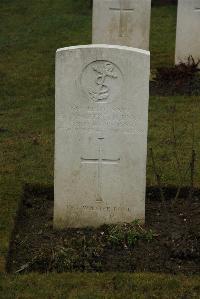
(188, 30)
(102, 97)
(122, 22)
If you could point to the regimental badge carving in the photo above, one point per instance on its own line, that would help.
(101, 81)
(102, 90)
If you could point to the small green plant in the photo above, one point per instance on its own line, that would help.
(115, 235)
(127, 235)
(64, 259)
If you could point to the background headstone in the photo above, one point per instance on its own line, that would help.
(102, 97)
(188, 30)
(121, 22)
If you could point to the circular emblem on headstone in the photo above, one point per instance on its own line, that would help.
(102, 81)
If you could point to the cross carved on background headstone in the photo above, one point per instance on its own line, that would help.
(123, 9)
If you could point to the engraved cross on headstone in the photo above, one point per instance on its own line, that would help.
(123, 10)
(100, 162)
(197, 9)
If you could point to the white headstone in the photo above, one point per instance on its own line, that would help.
(121, 22)
(102, 97)
(188, 30)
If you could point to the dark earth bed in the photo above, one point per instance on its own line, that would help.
(174, 88)
(169, 242)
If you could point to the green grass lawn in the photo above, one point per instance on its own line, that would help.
(99, 286)
(30, 33)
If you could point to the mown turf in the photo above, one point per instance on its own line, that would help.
(99, 286)
(163, 34)
(30, 33)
